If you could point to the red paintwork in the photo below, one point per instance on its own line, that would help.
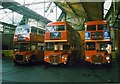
(90, 53)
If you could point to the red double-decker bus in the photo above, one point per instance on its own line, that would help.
(62, 44)
(28, 44)
(98, 42)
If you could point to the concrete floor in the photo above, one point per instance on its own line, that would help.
(60, 73)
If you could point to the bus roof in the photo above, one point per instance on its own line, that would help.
(28, 26)
(57, 23)
(96, 22)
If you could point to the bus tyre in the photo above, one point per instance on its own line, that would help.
(16, 63)
(110, 64)
(69, 62)
(33, 60)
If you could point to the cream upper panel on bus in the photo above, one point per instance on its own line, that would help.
(23, 32)
(25, 29)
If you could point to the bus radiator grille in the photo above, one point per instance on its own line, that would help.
(97, 59)
(54, 59)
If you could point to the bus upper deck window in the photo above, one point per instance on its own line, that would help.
(50, 28)
(102, 27)
(91, 27)
(60, 28)
(22, 30)
(55, 28)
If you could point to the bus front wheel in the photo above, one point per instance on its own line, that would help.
(16, 63)
(70, 61)
(33, 60)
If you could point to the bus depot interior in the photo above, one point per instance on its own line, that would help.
(60, 41)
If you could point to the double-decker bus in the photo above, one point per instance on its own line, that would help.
(28, 44)
(98, 42)
(62, 44)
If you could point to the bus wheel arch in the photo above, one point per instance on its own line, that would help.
(16, 63)
(70, 60)
(33, 59)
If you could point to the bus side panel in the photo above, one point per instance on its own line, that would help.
(39, 38)
(40, 55)
(89, 53)
(117, 42)
(33, 37)
(36, 38)
(64, 35)
(82, 34)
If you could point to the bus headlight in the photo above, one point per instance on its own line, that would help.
(107, 58)
(26, 57)
(87, 57)
(46, 57)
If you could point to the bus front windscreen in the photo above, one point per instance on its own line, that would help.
(21, 47)
(90, 45)
(49, 46)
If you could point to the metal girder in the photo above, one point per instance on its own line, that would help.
(24, 11)
(113, 14)
(89, 10)
(72, 9)
(72, 13)
(48, 6)
(94, 10)
(81, 11)
(34, 3)
(61, 16)
(61, 6)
